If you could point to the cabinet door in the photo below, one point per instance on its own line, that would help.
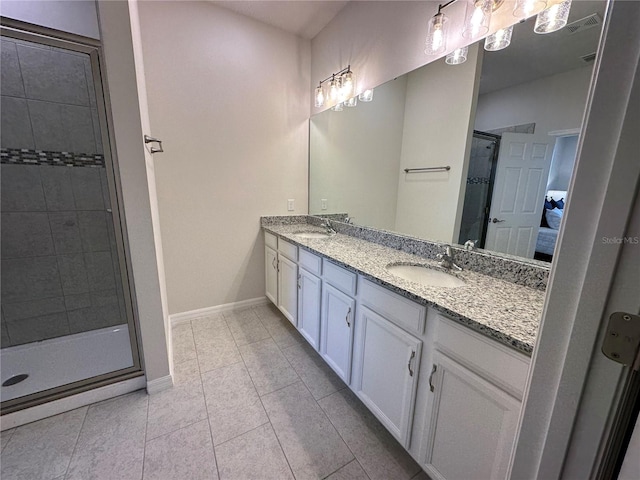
(336, 331)
(385, 371)
(472, 425)
(271, 274)
(309, 307)
(288, 288)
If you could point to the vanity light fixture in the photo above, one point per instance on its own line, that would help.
(553, 18)
(498, 40)
(525, 8)
(458, 56)
(477, 18)
(351, 102)
(437, 32)
(366, 96)
(342, 85)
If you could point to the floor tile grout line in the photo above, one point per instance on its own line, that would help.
(144, 445)
(265, 410)
(206, 407)
(75, 445)
(13, 430)
(243, 433)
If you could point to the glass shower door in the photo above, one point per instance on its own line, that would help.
(67, 318)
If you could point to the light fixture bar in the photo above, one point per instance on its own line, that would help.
(342, 86)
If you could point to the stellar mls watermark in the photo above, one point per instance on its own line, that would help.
(621, 240)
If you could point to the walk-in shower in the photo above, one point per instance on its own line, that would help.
(480, 178)
(67, 316)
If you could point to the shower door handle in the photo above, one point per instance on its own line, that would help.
(148, 139)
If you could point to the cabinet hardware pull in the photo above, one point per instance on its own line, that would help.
(431, 387)
(278, 265)
(299, 278)
(273, 263)
(347, 318)
(413, 354)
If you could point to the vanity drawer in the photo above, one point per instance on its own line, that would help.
(289, 250)
(310, 262)
(497, 363)
(339, 277)
(270, 240)
(403, 312)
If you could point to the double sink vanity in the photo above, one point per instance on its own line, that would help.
(438, 354)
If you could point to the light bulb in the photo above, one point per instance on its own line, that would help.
(366, 96)
(458, 56)
(436, 35)
(477, 18)
(334, 89)
(352, 102)
(526, 8)
(553, 18)
(319, 96)
(337, 107)
(348, 85)
(498, 40)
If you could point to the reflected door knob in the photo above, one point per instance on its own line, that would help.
(495, 220)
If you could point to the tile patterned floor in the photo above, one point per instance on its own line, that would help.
(251, 401)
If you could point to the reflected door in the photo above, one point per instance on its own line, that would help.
(521, 180)
(67, 318)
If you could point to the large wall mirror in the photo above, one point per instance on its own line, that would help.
(505, 123)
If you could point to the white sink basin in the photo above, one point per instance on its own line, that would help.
(425, 276)
(312, 235)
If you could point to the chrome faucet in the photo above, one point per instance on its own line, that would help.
(446, 259)
(328, 227)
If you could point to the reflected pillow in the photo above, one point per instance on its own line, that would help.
(554, 217)
(560, 204)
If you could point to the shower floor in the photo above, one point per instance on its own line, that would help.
(60, 361)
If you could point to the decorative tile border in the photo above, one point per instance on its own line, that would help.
(477, 180)
(24, 156)
(528, 273)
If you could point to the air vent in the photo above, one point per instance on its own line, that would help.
(588, 58)
(583, 24)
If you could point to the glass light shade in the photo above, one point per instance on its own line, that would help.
(319, 96)
(498, 40)
(436, 35)
(352, 102)
(337, 107)
(477, 18)
(347, 85)
(553, 18)
(366, 96)
(526, 8)
(334, 89)
(458, 56)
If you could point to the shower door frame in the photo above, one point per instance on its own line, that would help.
(492, 177)
(50, 37)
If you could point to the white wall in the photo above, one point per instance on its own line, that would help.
(73, 16)
(438, 121)
(355, 158)
(229, 96)
(552, 103)
(127, 138)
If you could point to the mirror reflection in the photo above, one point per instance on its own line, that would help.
(505, 123)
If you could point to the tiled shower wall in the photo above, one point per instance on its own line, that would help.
(60, 271)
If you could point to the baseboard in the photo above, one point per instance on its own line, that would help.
(32, 414)
(184, 317)
(159, 384)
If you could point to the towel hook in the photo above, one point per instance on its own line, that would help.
(148, 139)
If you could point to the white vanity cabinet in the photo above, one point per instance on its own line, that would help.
(281, 275)
(385, 371)
(475, 387)
(338, 315)
(309, 296)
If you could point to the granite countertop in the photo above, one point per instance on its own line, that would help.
(507, 312)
